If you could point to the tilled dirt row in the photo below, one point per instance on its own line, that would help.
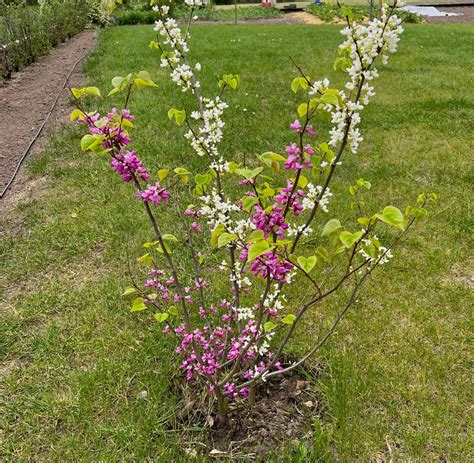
(26, 99)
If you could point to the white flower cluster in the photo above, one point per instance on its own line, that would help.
(237, 277)
(193, 3)
(217, 211)
(209, 134)
(319, 86)
(383, 256)
(182, 76)
(362, 46)
(210, 131)
(245, 313)
(272, 301)
(170, 30)
(303, 229)
(315, 194)
(242, 227)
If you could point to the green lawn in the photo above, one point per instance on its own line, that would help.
(397, 381)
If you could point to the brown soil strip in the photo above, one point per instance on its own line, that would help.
(26, 99)
(298, 17)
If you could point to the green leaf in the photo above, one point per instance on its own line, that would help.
(76, 114)
(331, 226)
(256, 235)
(307, 263)
(146, 259)
(348, 238)
(268, 326)
(289, 319)
(163, 173)
(302, 181)
(137, 305)
(225, 239)
(114, 91)
(201, 179)
(215, 235)
(361, 182)
(161, 317)
(118, 81)
(169, 237)
(322, 252)
(331, 96)
(258, 248)
(231, 80)
(76, 92)
(419, 212)
(302, 109)
(183, 173)
(272, 160)
(150, 244)
(129, 291)
(299, 82)
(143, 79)
(249, 174)
(91, 91)
(392, 216)
(364, 221)
(248, 202)
(173, 310)
(179, 115)
(91, 142)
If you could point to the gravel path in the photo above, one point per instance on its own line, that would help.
(466, 11)
(26, 99)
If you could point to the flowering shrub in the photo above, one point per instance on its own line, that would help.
(262, 235)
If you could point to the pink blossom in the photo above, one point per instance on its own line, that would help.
(296, 126)
(196, 227)
(269, 221)
(270, 264)
(154, 194)
(285, 197)
(310, 131)
(128, 163)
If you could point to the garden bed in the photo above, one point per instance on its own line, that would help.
(27, 98)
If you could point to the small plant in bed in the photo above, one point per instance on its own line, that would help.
(255, 250)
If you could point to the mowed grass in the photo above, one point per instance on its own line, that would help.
(397, 381)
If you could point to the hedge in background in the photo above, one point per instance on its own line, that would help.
(28, 32)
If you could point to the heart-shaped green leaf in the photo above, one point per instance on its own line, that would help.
(307, 263)
(331, 226)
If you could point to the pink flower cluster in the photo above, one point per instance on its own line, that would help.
(219, 346)
(292, 200)
(269, 264)
(128, 163)
(297, 160)
(164, 287)
(273, 265)
(194, 226)
(154, 194)
(270, 221)
(298, 128)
